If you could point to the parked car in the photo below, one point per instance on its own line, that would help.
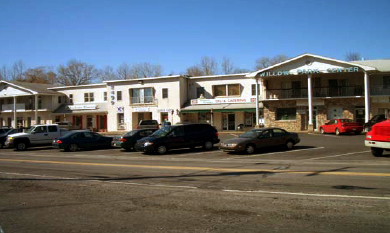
(128, 140)
(179, 136)
(38, 135)
(255, 139)
(376, 119)
(6, 132)
(339, 126)
(74, 141)
(148, 124)
(379, 138)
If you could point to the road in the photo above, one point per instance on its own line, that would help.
(327, 183)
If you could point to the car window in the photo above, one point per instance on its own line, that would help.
(145, 133)
(178, 131)
(346, 121)
(78, 135)
(148, 122)
(279, 133)
(52, 128)
(95, 135)
(40, 129)
(266, 134)
(88, 134)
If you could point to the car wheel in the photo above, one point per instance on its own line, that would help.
(250, 149)
(289, 145)
(21, 146)
(208, 145)
(337, 132)
(162, 149)
(377, 152)
(322, 131)
(73, 147)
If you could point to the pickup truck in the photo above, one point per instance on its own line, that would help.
(379, 138)
(36, 136)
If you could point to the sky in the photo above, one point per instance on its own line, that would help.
(177, 33)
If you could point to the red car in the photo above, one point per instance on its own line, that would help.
(339, 126)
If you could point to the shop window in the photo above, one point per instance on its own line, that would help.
(38, 120)
(71, 98)
(386, 82)
(141, 95)
(286, 114)
(121, 121)
(204, 117)
(254, 89)
(249, 119)
(28, 121)
(119, 95)
(165, 93)
(227, 90)
(199, 92)
(9, 121)
(89, 97)
(105, 96)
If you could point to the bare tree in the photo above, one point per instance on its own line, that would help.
(4, 73)
(124, 71)
(145, 70)
(265, 62)
(107, 73)
(76, 73)
(194, 71)
(239, 71)
(227, 66)
(209, 65)
(353, 56)
(39, 75)
(17, 70)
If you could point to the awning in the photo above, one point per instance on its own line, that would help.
(247, 107)
(81, 108)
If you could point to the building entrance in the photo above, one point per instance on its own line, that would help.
(228, 121)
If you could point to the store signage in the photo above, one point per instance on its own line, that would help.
(223, 101)
(165, 110)
(82, 107)
(141, 110)
(310, 71)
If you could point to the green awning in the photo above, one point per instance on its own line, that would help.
(195, 111)
(235, 110)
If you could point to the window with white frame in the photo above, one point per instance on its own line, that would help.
(227, 90)
(71, 98)
(105, 96)
(119, 95)
(199, 92)
(89, 97)
(286, 114)
(254, 89)
(141, 95)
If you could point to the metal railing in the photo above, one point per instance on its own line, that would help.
(317, 92)
(379, 90)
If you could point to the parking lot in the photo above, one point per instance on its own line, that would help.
(324, 177)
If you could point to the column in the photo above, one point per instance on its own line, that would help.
(367, 96)
(36, 110)
(310, 103)
(15, 123)
(257, 103)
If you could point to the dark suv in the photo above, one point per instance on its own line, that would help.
(179, 136)
(376, 119)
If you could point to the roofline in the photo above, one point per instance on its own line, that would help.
(86, 85)
(219, 75)
(26, 89)
(366, 68)
(148, 78)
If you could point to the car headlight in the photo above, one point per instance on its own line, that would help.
(148, 143)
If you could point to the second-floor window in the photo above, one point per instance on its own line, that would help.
(199, 92)
(119, 95)
(386, 82)
(105, 96)
(254, 89)
(88, 97)
(59, 99)
(226, 90)
(71, 98)
(165, 93)
(141, 95)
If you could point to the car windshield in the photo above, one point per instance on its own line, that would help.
(249, 134)
(346, 121)
(12, 131)
(148, 122)
(162, 132)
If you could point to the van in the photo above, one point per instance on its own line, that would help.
(179, 136)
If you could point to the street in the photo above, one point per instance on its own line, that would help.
(327, 183)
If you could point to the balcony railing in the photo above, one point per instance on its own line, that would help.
(145, 100)
(317, 92)
(379, 90)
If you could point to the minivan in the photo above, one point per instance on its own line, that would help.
(179, 136)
